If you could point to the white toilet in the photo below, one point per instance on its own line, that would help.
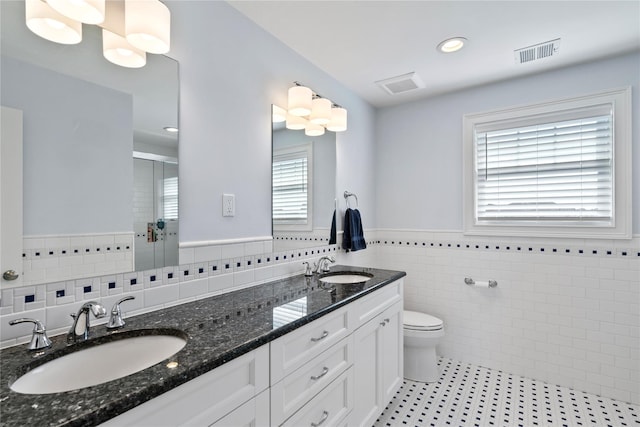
(422, 332)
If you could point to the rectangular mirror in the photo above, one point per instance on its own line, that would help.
(100, 170)
(303, 187)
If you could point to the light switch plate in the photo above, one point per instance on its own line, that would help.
(228, 205)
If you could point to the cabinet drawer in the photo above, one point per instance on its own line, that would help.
(371, 305)
(295, 349)
(288, 395)
(330, 407)
(206, 398)
(254, 413)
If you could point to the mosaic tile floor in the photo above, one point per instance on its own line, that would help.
(469, 395)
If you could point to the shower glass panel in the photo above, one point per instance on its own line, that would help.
(155, 213)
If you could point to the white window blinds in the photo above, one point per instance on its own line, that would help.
(560, 171)
(290, 187)
(170, 198)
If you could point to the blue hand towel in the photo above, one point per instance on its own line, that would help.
(353, 237)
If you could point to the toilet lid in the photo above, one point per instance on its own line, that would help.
(421, 321)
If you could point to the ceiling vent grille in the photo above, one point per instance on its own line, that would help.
(401, 84)
(538, 51)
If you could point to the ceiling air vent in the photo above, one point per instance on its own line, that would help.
(537, 51)
(401, 84)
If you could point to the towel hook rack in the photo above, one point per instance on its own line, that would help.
(347, 194)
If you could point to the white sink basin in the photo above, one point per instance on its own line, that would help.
(345, 278)
(98, 364)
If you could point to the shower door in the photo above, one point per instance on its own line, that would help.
(155, 213)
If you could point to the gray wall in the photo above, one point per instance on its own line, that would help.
(419, 145)
(77, 151)
(231, 71)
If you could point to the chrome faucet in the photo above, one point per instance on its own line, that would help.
(80, 329)
(116, 321)
(323, 264)
(39, 339)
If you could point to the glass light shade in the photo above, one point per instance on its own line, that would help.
(338, 121)
(119, 51)
(51, 25)
(279, 114)
(148, 25)
(320, 111)
(296, 122)
(313, 129)
(87, 11)
(299, 101)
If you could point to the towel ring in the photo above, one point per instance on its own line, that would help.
(346, 198)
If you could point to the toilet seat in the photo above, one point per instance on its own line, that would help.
(417, 321)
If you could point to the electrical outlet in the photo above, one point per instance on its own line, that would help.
(228, 205)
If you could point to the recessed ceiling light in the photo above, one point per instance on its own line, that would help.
(453, 44)
(171, 129)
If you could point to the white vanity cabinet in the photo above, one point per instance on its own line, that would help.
(310, 377)
(378, 363)
(338, 370)
(236, 392)
(367, 361)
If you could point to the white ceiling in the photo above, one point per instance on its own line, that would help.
(360, 42)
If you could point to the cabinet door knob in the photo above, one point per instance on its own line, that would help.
(325, 415)
(325, 370)
(323, 336)
(10, 275)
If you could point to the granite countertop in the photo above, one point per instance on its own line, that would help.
(219, 329)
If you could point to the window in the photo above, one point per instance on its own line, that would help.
(554, 169)
(170, 198)
(292, 188)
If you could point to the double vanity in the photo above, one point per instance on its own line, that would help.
(318, 350)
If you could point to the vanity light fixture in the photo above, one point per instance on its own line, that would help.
(51, 25)
(338, 121)
(295, 122)
(312, 112)
(119, 51)
(131, 28)
(85, 11)
(300, 100)
(313, 129)
(320, 111)
(451, 45)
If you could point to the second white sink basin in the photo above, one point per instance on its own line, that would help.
(345, 278)
(98, 364)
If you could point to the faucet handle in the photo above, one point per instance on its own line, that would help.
(116, 321)
(39, 338)
(307, 270)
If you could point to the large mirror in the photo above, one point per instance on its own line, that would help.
(100, 173)
(303, 188)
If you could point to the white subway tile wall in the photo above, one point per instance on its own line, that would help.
(564, 313)
(52, 258)
(567, 314)
(238, 266)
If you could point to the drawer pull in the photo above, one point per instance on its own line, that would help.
(323, 336)
(325, 415)
(325, 370)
